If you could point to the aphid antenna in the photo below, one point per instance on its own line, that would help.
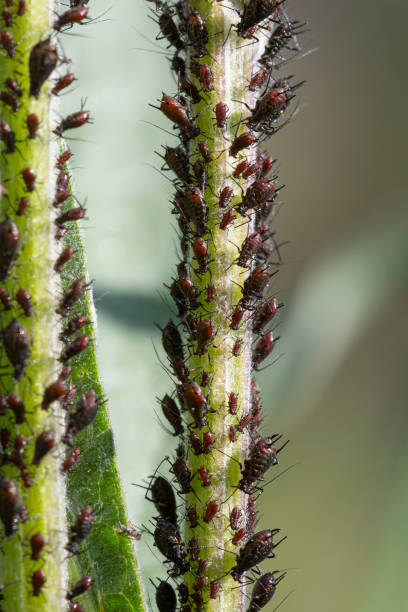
(283, 600)
(270, 364)
(281, 473)
(155, 125)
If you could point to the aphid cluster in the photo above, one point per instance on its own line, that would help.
(24, 449)
(247, 197)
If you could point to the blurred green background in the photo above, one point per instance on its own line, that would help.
(339, 390)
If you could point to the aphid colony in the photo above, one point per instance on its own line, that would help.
(23, 450)
(190, 345)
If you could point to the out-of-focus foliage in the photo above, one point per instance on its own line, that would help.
(339, 389)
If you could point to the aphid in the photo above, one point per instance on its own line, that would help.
(262, 349)
(172, 342)
(37, 581)
(194, 206)
(73, 326)
(43, 60)
(257, 548)
(198, 601)
(25, 302)
(255, 284)
(8, 98)
(65, 256)
(85, 411)
(259, 79)
(178, 65)
(164, 500)
(22, 205)
(60, 233)
(69, 397)
(262, 455)
(71, 296)
(62, 181)
(80, 587)
(16, 457)
(63, 82)
(179, 114)
(63, 159)
(206, 77)
(240, 168)
(17, 406)
(232, 403)
(32, 125)
(220, 110)
(177, 161)
(17, 347)
(201, 174)
(270, 106)
(214, 588)
(210, 293)
(232, 434)
(267, 164)
(235, 518)
(255, 12)
(210, 511)
(9, 247)
(183, 593)
(227, 219)
(60, 197)
(169, 29)
(252, 169)
(43, 445)
(238, 536)
(243, 141)
(166, 600)
(29, 178)
(37, 543)
(7, 136)
(69, 463)
(236, 349)
(205, 379)
(205, 151)
(7, 18)
(188, 291)
(22, 5)
(244, 422)
(207, 442)
(237, 316)
(4, 431)
(74, 120)
(205, 333)
(179, 298)
(195, 443)
(193, 549)
(192, 517)
(197, 33)
(76, 347)
(278, 40)
(71, 16)
(202, 566)
(73, 214)
(225, 197)
(11, 509)
(200, 582)
(190, 90)
(80, 529)
(204, 476)
(264, 314)
(249, 248)
(5, 298)
(183, 474)
(195, 402)
(263, 591)
(259, 192)
(168, 540)
(172, 413)
(7, 42)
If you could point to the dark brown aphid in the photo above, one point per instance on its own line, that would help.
(80, 529)
(168, 540)
(179, 114)
(32, 125)
(60, 197)
(264, 314)
(43, 444)
(278, 40)
(11, 509)
(238, 536)
(73, 214)
(71, 296)
(263, 591)
(22, 5)
(257, 548)
(7, 136)
(76, 347)
(162, 495)
(232, 403)
(252, 169)
(13, 86)
(73, 326)
(172, 413)
(210, 511)
(169, 29)
(9, 247)
(63, 159)
(17, 347)
(17, 406)
(183, 474)
(207, 442)
(8, 98)
(267, 163)
(190, 90)
(232, 434)
(243, 141)
(172, 342)
(201, 174)
(62, 181)
(204, 476)
(227, 219)
(237, 316)
(240, 168)
(205, 333)
(270, 107)
(43, 60)
(205, 151)
(80, 587)
(22, 205)
(262, 349)
(236, 349)
(183, 593)
(37, 581)
(188, 291)
(255, 284)
(235, 518)
(210, 293)
(63, 82)
(192, 517)
(220, 110)
(69, 463)
(71, 16)
(206, 77)
(166, 600)
(214, 588)
(85, 411)
(7, 42)
(16, 457)
(69, 397)
(195, 402)
(194, 206)
(177, 161)
(4, 431)
(225, 197)
(198, 601)
(65, 256)
(259, 79)
(25, 302)
(5, 298)
(197, 33)
(254, 13)
(7, 17)
(72, 121)
(193, 549)
(262, 456)
(249, 248)
(259, 192)
(200, 582)
(205, 378)
(202, 566)
(29, 178)
(179, 298)
(37, 543)
(195, 443)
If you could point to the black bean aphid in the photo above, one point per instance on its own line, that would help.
(79, 587)
(262, 456)
(263, 591)
(168, 540)
(85, 411)
(257, 548)
(172, 413)
(10, 506)
(44, 443)
(43, 60)
(166, 600)
(9, 247)
(162, 495)
(17, 347)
